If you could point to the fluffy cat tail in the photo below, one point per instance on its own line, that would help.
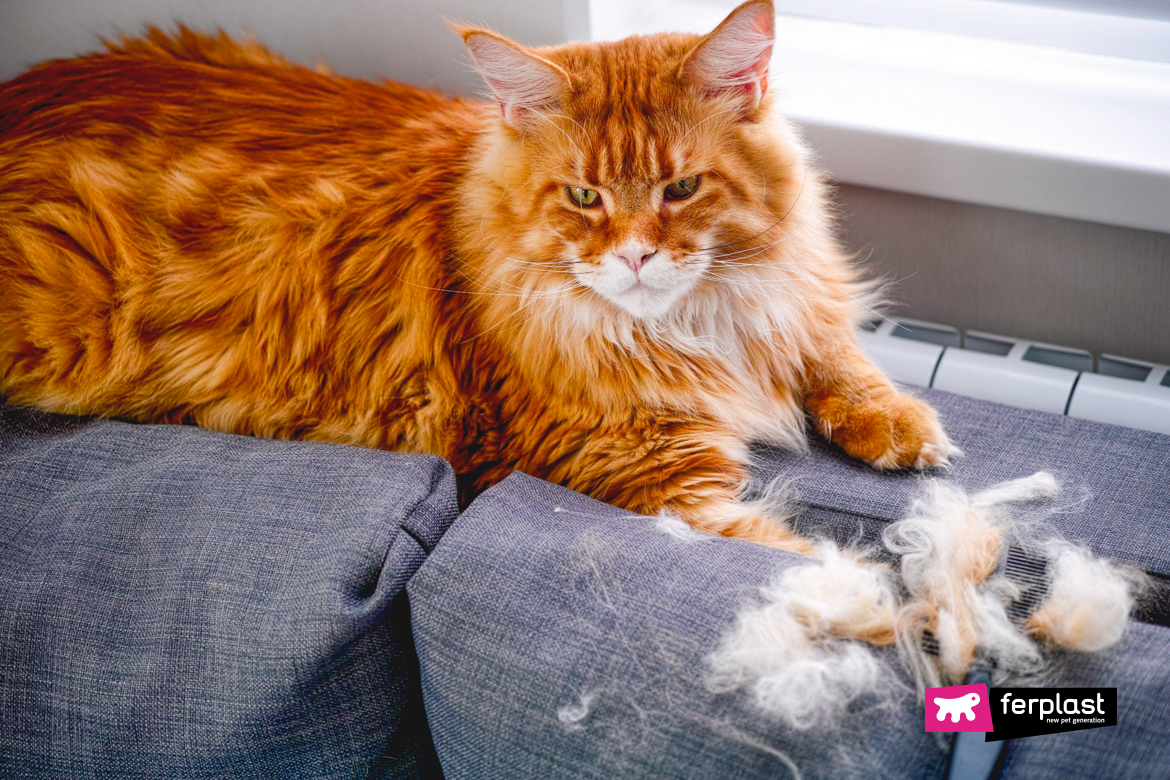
(190, 45)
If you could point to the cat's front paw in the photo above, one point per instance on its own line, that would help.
(889, 431)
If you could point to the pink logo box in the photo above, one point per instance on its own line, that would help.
(958, 708)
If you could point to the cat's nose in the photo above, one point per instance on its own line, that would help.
(635, 255)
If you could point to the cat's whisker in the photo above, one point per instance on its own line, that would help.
(743, 255)
(539, 264)
(517, 291)
(707, 252)
(741, 250)
(580, 126)
(483, 277)
(745, 240)
(548, 118)
(483, 280)
(790, 288)
(788, 273)
(571, 294)
(459, 291)
(789, 277)
(789, 285)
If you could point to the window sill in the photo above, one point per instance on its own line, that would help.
(1001, 124)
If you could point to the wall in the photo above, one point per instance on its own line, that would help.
(405, 40)
(1080, 284)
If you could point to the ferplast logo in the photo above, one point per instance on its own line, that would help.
(1014, 713)
(958, 708)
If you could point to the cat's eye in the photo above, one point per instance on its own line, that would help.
(683, 188)
(584, 197)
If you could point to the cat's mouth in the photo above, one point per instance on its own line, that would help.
(643, 284)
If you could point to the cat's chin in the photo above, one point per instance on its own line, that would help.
(647, 303)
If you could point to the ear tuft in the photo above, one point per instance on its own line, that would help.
(522, 81)
(734, 57)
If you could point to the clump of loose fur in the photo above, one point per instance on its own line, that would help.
(1089, 600)
(791, 652)
(572, 716)
(949, 548)
(952, 546)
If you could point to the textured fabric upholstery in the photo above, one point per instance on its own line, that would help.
(523, 611)
(180, 603)
(538, 601)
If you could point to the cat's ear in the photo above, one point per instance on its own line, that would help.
(522, 81)
(733, 58)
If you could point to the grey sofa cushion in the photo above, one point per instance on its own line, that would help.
(523, 611)
(181, 603)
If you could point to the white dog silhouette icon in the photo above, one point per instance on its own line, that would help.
(964, 705)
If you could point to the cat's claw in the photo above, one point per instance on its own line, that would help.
(937, 455)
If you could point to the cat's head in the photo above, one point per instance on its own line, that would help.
(639, 171)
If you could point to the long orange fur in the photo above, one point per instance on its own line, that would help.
(194, 230)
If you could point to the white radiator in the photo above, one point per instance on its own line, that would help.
(1022, 373)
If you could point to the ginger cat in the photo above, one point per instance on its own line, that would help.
(615, 277)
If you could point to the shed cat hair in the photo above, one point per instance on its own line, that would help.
(791, 650)
(613, 276)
